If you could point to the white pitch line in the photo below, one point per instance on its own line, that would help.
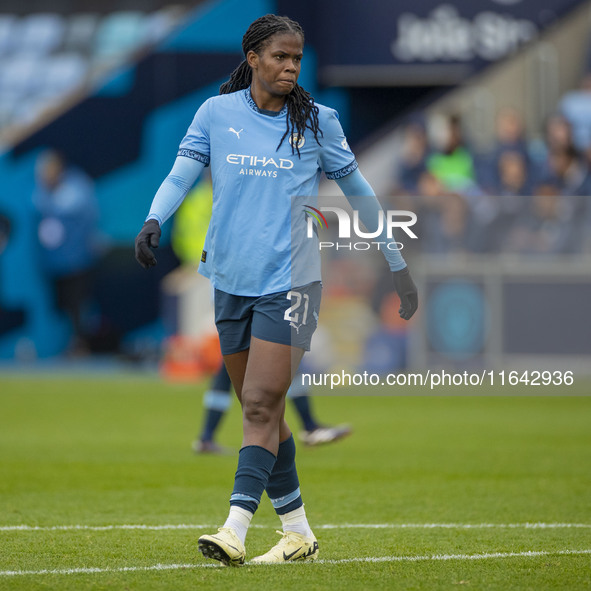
(525, 525)
(97, 570)
(370, 559)
(107, 527)
(189, 526)
(443, 557)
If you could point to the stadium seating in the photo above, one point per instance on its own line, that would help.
(39, 34)
(80, 33)
(6, 33)
(44, 56)
(118, 34)
(63, 72)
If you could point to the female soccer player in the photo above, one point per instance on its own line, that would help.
(267, 142)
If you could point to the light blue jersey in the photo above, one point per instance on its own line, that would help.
(257, 189)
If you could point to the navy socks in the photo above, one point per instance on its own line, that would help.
(255, 465)
(283, 486)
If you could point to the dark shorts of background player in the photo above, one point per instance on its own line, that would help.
(288, 318)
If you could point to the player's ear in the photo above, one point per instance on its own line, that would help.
(252, 58)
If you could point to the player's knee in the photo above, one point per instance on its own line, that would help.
(260, 406)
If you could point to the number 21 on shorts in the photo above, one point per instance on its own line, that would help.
(294, 314)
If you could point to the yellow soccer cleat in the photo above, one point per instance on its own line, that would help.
(223, 546)
(292, 546)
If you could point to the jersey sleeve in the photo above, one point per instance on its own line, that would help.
(196, 144)
(336, 158)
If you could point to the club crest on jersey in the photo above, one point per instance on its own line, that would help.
(296, 140)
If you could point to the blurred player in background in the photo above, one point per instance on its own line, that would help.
(68, 237)
(268, 142)
(188, 237)
(217, 401)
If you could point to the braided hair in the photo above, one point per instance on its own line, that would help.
(302, 113)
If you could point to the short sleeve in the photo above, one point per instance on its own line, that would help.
(195, 144)
(336, 158)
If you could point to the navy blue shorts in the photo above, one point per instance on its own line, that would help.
(288, 318)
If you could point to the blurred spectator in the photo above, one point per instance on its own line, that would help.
(558, 132)
(415, 152)
(456, 215)
(510, 132)
(513, 176)
(557, 136)
(453, 164)
(508, 202)
(67, 231)
(571, 175)
(509, 137)
(576, 108)
(443, 217)
(547, 226)
(570, 171)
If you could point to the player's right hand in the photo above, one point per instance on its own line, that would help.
(407, 290)
(148, 238)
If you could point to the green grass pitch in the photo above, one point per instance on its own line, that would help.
(420, 470)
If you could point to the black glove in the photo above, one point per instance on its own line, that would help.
(407, 290)
(149, 237)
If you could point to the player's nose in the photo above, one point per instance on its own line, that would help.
(290, 66)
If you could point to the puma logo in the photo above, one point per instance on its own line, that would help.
(236, 132)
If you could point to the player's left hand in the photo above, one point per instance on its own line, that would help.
(407, 290)
(148, 238)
